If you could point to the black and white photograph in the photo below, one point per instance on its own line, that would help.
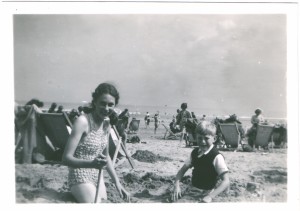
(176, 103)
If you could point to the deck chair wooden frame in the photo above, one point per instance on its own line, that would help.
(55, 128)
(230, 134)
(116, 140)
(169, 134)
(120, 126)
(263, 135)
(190, 140)
(134, 126)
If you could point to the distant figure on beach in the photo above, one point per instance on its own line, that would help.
(52, 108)
(125, 117)
(60, 109)
(84, 152)
(147, 119)
(73, 115)
(84, 109)
(156, 121)
(194, 117)
(184, 115)
(177, 116)
(173, 126)
(210, 172)
(256, 119)
(80, 110)
(87, 109)
(36, 102)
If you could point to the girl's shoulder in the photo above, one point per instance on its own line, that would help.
(83, 118)
(82, 122)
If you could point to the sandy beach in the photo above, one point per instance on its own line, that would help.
(259, 176)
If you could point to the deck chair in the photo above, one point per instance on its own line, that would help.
(115, 143)
(263, 135)
(134, 126)
(55, 128)
(169, 134)
(31, 144)
(120, 126)
(231, 134)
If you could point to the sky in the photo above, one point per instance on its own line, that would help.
(225, 63)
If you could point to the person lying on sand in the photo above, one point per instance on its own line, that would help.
(208, 166)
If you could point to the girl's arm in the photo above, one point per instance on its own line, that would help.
(111, 171)
(80, 127)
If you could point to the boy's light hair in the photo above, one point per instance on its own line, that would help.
(206, 128)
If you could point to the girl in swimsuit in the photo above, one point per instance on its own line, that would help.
(84, 150)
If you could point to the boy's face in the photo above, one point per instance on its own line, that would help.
(204, 141)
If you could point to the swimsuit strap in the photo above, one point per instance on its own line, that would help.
(88, 117)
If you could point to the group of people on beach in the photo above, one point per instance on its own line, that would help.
(156, 120)
(87, 154)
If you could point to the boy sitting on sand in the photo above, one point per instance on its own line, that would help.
(208, 166)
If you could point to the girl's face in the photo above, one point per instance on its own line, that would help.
(104, 105)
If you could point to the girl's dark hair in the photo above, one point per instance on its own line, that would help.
(105, 88)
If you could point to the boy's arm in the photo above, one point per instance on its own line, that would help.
(222, 171)
(223, 185)
(181, 173)
(179, 176)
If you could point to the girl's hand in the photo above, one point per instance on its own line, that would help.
(123, 193)
(99, 162)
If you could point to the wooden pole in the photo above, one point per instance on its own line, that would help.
(98, 187)
(106, 127)
(118, 145)
(128, 158)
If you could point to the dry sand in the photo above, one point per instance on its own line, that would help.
(259, 176)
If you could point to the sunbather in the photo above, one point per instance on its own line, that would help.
(173, 126)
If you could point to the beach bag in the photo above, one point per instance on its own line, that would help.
(134, 139)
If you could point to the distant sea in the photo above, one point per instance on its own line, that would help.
(167, 111)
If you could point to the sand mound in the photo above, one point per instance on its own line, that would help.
(271, 176)
(153, 187)
(149, 157)
(42, 184)
(149, 186)
(254, 177)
